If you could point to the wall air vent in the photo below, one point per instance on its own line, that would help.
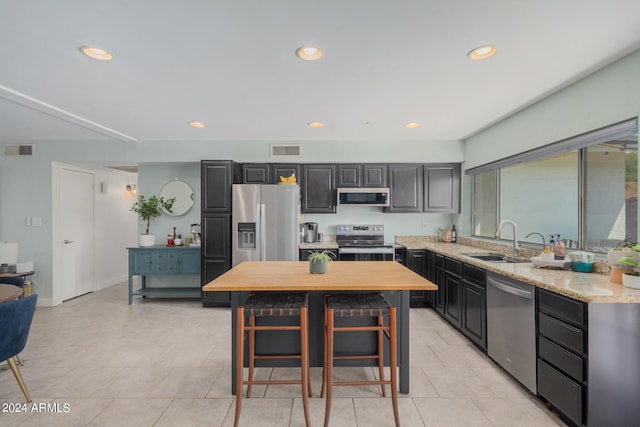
(18, 150)
(285, 150)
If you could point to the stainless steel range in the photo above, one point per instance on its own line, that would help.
(362, 242)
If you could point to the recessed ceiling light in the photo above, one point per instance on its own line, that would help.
(197, 125)
(96, 53)
(482, 52)
(411, 125)
(309, 53)
(315, 125)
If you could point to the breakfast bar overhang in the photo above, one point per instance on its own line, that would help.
(394, 280)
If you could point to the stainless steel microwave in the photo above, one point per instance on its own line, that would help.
(363, 196)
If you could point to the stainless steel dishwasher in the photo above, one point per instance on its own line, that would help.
(511, 327)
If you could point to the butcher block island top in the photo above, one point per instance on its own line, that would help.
(340, 275)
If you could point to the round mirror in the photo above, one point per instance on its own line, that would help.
(183, 194)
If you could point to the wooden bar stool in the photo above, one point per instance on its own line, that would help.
(360, 306)
(272, 305)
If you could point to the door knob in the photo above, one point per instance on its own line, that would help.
(66, 242)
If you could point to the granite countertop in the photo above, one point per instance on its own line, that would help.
(587, 287)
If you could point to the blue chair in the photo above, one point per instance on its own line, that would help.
(15, 281)
(15, 322)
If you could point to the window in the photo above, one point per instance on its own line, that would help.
(583, 189)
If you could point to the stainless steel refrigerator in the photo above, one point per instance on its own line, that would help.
(266, 222)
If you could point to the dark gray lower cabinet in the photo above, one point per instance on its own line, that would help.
(474, 305)
(562, 355)
(439, 275)
(453, 291)
(416, 260)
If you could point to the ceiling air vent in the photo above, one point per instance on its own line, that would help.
(285, 150)
(18, 150)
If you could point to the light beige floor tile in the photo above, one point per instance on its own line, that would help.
(378, 412)
(67, 413)
(462, 356)
(458, 382)
(514, 412)
(168, 362)
(420, 386)
(342, 413)
(453, 337)
(195, 413)
(132, 383)
(500, 382)
(458, 412)
(421, 355)
(131, 412)
(34, 377)
(263, 412)
(316, 412)
(77, 383)
(185, 383)
(222, 384)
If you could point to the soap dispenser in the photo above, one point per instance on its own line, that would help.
(558, 249)
(552, 243)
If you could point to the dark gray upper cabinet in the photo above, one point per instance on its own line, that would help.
(405, 182)
(374, 175)
(442, 187)
(216, 178)
(318, 188)
(255, 173)
(349, 175)
(285, 170)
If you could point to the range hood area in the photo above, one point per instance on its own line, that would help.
(363, 196)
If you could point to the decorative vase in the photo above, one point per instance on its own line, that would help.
(146, 240)
(317, 267)
(617, 268)
(631, 280)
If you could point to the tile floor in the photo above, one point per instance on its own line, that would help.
(96, 361)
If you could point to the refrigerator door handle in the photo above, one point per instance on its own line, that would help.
(262, 234)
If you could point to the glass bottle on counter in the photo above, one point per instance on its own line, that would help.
(454, 234)
(558, 249)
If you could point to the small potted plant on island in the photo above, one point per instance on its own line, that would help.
(623, 250)
(147, 209)
(632, 279)
(318, 261)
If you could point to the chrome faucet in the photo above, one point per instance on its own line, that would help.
(515, 234)
(544, 242)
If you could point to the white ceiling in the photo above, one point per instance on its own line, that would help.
(231, 65)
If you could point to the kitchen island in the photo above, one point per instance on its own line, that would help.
(391, 278)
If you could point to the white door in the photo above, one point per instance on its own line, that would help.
(77, 218)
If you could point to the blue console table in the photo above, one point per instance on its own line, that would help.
(163, 261)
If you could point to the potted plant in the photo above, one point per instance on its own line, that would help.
(624, 249)
(318, 261)
(632, 279)
(147, 209)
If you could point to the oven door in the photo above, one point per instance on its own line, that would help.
(365, 254)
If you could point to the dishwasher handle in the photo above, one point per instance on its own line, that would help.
(509, 289)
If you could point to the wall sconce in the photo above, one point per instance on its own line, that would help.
(133, 189)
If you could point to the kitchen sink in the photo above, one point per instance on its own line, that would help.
(493, 257)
